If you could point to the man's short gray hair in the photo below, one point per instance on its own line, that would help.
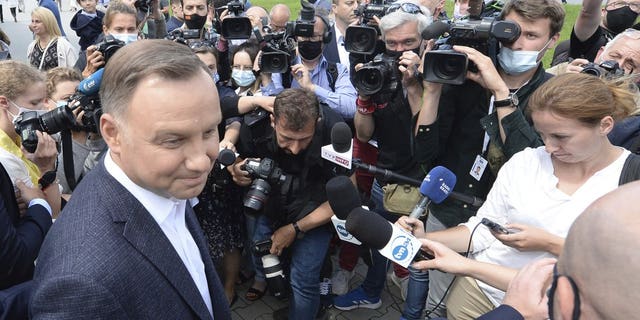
(399, 17)
(631, 34)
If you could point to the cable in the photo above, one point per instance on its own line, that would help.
(466, 255)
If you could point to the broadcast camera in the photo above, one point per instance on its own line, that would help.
(278, 50)
(264, 173)
(608, 69)
(273, 272)
(444, 65)
(379, 76)
(183, 36)
(363, 38)
(236, 26)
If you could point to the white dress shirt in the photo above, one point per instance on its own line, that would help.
(169, 213)
(526, 192)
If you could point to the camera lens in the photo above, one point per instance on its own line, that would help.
(592, 70)
(277, 283)
(57, 119)
(274, 62)
(360, 39)
(369, 80)
(449, 67)
(236, 28)
(257, 195)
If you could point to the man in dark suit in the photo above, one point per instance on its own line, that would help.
(128, 244)
(343, 11)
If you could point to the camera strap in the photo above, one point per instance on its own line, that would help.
(67, 159)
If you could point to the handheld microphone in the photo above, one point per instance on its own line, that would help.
(391, 241)
(343, 197)
(226, 157)
(91, 85)
(340, 151)
(436, 187)
(435, 30)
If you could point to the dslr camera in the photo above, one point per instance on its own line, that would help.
(608, 69)
(379, 76)
(362, 38)
(276, 281)
(236, 26)
(51, 122)
(264, 173)
(444, 65)
(108, 47)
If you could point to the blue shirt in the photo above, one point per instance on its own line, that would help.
(342, 100)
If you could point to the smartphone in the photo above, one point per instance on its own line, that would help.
(494, 226)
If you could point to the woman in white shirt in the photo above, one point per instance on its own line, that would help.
(539, 192)
(49, 49)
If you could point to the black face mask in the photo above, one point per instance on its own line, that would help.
(195, 21)
(620, 19)
(397, 54)
(309, 50)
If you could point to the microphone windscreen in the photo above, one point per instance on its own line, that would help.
(438, 184)
(369, 227)
(435, 30)
(226, 157)
(343, 196)
(341, 137)
(91, 85)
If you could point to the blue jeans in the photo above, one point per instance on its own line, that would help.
(307, 257)
(250, 223)
(377, 272)
(416, 294)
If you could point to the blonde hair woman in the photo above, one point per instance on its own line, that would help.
(49, 49)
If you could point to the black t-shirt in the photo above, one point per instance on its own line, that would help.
(588, 49)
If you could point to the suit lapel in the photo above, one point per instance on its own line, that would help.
(218, 299)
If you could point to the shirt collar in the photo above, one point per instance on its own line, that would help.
(158, 206)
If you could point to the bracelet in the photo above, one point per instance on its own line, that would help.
(365, 107)
(296, 227)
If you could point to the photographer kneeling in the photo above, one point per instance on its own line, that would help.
(294, 214)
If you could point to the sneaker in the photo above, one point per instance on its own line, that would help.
(401, 283)
(356, 299)
(340, 281)
(325, 292)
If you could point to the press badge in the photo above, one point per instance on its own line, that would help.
(478, 167)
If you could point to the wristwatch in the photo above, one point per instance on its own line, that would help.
(299, 232)
(510, 101)
(47, 179)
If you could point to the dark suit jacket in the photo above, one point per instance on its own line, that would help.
(20, 237)
(107, 258)
(330, 50)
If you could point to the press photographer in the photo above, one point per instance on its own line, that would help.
(473, 128)
(387, 117)
(294, 214)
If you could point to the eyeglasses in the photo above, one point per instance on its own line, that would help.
(635, 7)
(552, 291)
(404, 7)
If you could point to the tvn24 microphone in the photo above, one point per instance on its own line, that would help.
(343, 197)
(91, 85)
(436, 187)
(391, 241)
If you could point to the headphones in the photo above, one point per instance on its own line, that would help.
(327, 34)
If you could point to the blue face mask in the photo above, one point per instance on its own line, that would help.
(516, 62)
(215, 76)
(243, 78)
(126, 37)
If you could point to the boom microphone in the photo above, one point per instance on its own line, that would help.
(436, 187)
(435, 30)
(393, 243)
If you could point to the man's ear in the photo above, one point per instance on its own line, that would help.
(565, 295)
(111, 132)
(600, 52)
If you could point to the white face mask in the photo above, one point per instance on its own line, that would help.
(60, 103)
(516, 62)
(126, 37)
(22, 110)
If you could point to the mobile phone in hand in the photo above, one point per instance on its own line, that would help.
(495, 226)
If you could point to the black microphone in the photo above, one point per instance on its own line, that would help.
(378, 233)
(341, 137)
(343, 196)
(226, 157)
(435, 30)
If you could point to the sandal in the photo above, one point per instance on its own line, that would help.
(254, 294)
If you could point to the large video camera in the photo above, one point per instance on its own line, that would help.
(278, 50)
(236, 26)
(183, 36)
(86, 98)
(276, 281)
(264, 173)
(379, 76)
(608, 69)
(362, 38)
(444, 65)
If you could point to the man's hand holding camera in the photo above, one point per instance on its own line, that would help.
(45, 154)
(95, 61)
(282, 238)
(301, 74)
(487, 75)
(408, 64)
(240, 176)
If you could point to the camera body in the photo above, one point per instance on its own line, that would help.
(183, 36)
(51, 122)
(362, 38)
(108, 47)
(608, 69)
(264, 173)
(444, 65)
(236, 26)
(276, 281)
(278, 50)
(379, 76)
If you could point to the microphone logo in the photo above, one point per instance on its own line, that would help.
(401, 247)
(343, 231)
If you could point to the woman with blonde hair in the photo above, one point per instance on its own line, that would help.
(49, 49)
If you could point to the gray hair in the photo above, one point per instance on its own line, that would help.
(137, 61)
(398, 18)
(632, 34)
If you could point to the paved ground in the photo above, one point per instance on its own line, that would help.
(263, 308)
